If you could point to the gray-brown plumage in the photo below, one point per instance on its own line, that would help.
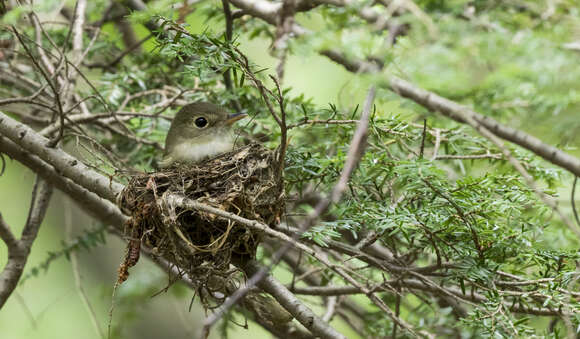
(199, 131)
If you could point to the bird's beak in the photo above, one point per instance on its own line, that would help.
(235, 117)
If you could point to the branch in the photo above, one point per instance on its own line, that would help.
(496, 156)
(354, 154)
(309, 276)
(118, 58)
(433, 289)
(268, 11)
(228, 35)
(177, 200)
(64, 163)
(284, 26)
(77, 30)
(6, 235)
(486, 126)
(41, 195)
(280, 330)
(49, 82)
(458, 113)
(302, 313)
(101, 208)
(310, 122)
(19, 250)
(16, 260)
(283, 130)
(573, 202)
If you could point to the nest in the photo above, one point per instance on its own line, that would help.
(243, 182)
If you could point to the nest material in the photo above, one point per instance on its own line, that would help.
(243, 182)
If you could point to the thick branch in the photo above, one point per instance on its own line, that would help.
(64, 163)
(19, 250)
(268, 11)
(41, 195)
(17, 256)
(458, 112)
(100, 208)
(6, 235)
(276, 329)
(302, 313)
(355, 152)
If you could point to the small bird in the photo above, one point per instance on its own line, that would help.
(199, 131)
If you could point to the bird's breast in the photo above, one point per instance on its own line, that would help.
(189, 151)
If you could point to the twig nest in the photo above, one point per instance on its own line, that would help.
(243, 182)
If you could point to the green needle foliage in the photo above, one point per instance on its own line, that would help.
(435, 221)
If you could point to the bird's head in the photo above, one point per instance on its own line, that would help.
(199, 130)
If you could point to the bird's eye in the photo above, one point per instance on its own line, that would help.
(201, 122)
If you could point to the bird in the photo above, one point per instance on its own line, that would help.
(199, 131)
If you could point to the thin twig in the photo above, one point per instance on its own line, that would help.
(437, 143)
(331, 304)
(52, 86)
(572, 200)
(283, 130)
(423, 137)
(322, 122)
(74, 260)
(284, 24)
(483, 130)
(229, 35)
(497, 156)
(119, 57)
(354, 154)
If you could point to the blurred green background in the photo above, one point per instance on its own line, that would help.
(49, 305)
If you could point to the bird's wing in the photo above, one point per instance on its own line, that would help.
(166, 162)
